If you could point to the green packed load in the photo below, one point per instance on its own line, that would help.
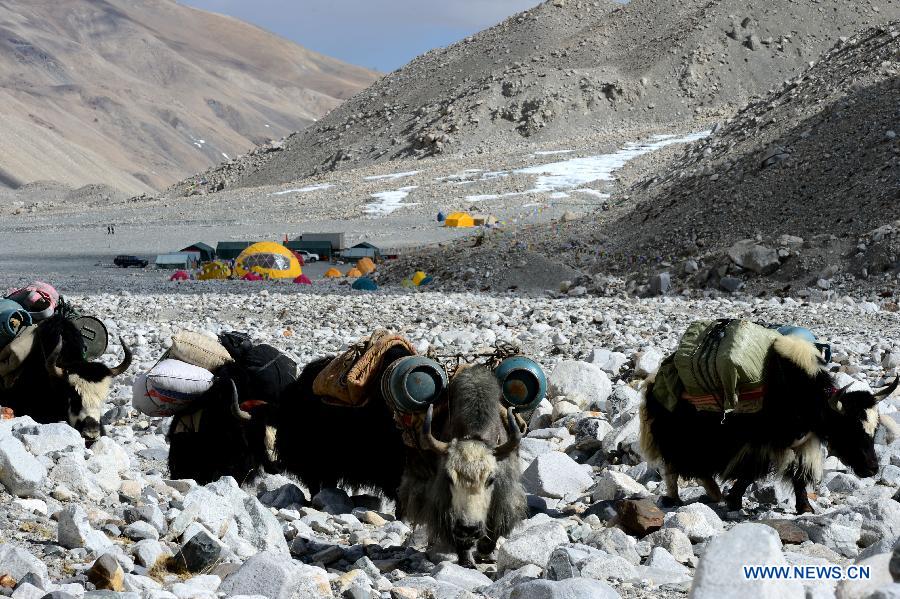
(723, 358)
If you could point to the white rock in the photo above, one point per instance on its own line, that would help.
(74, 530)
(17, 562)
(20, 472)
(675, 542)
(573, 588)
(460, 576)
(861, 589)
(275, 576)
(647, 362)
(581, 382)
(554, 474)
(663, 560)
(608, 361)
(720, 574)
(148, 552)
(617, 485)
(48, 438)
(698, 521)
(607, 567)
(534, 545)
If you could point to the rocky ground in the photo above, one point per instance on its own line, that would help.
(74, 519)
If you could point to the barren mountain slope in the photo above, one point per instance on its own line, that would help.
(564, 70)
(811, 171)
(140, 94)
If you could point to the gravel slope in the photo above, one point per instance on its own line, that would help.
(565, 70)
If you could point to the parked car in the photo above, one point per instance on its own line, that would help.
(309, 256)
(125, 261)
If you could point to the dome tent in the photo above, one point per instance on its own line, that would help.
(354, 273)
(269, 259)
(302, 280)
(333, 273)
(418, 277)
(365, 265)
(212, 271)
(365, 284)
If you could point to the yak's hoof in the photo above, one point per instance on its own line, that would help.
(706, 498)
(735, 504)
(805, 509)
(467, 563)
(666, 501)
(486, 558)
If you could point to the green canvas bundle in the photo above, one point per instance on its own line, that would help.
(718, 358)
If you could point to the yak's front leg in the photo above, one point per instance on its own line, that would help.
(712, 489)
(671, 498)
(802, 499)
(735, 498)
(465, 556)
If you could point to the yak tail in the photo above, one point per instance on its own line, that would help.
(649, 449)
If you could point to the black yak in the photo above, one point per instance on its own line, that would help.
(229, 430)
(462, 482)
(217, 437)
(58, 384)
(801, 409)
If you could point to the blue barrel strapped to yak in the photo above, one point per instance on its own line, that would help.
(415, 385)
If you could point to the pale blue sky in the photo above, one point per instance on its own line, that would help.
(379, 34)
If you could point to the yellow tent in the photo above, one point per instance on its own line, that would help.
(365, 265)
(418, 277)
(269, 259)
(354, 272)
(212, 271)
(333, 273)
(459, 219)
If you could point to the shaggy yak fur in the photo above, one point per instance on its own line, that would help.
(220, 435)
(801, 410)
(56, 383)
(464, 484)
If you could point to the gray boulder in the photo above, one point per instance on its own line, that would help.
(74, 530)
(455, 574)
(276, 576)
(573, 588)
(698, 521)
(720, 571)
(17, 562)
(554, 474)
(581, 382)
(20, 472)
(48, 438)
(534, 545)
(753, 256)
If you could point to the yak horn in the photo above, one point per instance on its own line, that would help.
(514, 436)
(432, 443)
(50, 363)
(884, 393)
(236, 410)
(126, 361)
(835, 400)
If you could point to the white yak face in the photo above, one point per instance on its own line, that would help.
(471, 468)
(86, 406)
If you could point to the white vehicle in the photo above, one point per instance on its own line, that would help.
(309, 257)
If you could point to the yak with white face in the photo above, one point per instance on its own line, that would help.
(472, 494)
(462, 481)
(61, 386)
(801, 411)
